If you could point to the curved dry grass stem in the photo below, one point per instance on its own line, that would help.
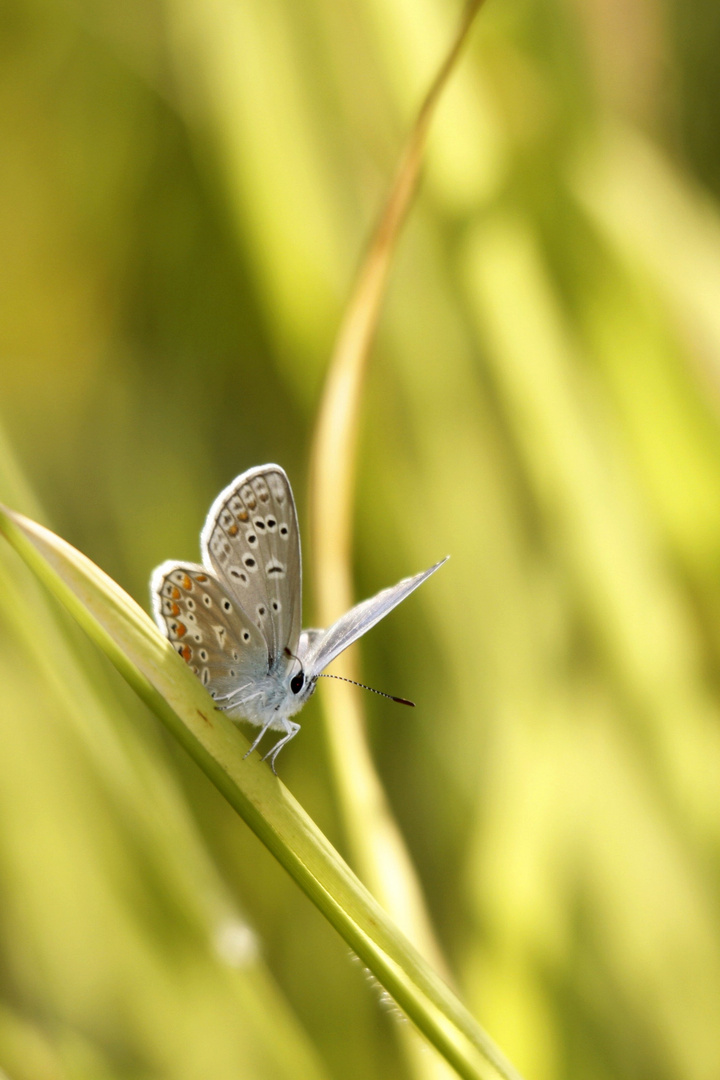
(333, 456)
(378, 848)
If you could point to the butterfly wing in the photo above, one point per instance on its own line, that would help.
(251, 543)
(321, 647)
(224, 648)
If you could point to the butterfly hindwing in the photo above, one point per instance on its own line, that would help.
(251, 542)
(206, 627)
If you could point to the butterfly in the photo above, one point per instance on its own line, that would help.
(236, 619)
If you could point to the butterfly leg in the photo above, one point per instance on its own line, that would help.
(291, 730)
(263, 729)
(237, 693)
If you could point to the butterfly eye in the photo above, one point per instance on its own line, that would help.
(297, 682)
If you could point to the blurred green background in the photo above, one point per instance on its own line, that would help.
(186, 188)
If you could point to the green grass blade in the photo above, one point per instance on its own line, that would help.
(149, 663)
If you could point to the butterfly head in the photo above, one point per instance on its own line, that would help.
(300, 687)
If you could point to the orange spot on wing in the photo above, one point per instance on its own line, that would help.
(181, 629)
(186, 583)
(201, 577)
(175, 593)
(243, 515)
(187, 654)
(233, 530)
(174, 609)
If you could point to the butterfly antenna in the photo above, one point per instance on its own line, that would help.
(292, 656)
(400, 700)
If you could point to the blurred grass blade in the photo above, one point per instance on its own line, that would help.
(377, 846)
(160, 677)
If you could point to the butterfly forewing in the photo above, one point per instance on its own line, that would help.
(207, 627)
(251, 542)
(324, 646)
